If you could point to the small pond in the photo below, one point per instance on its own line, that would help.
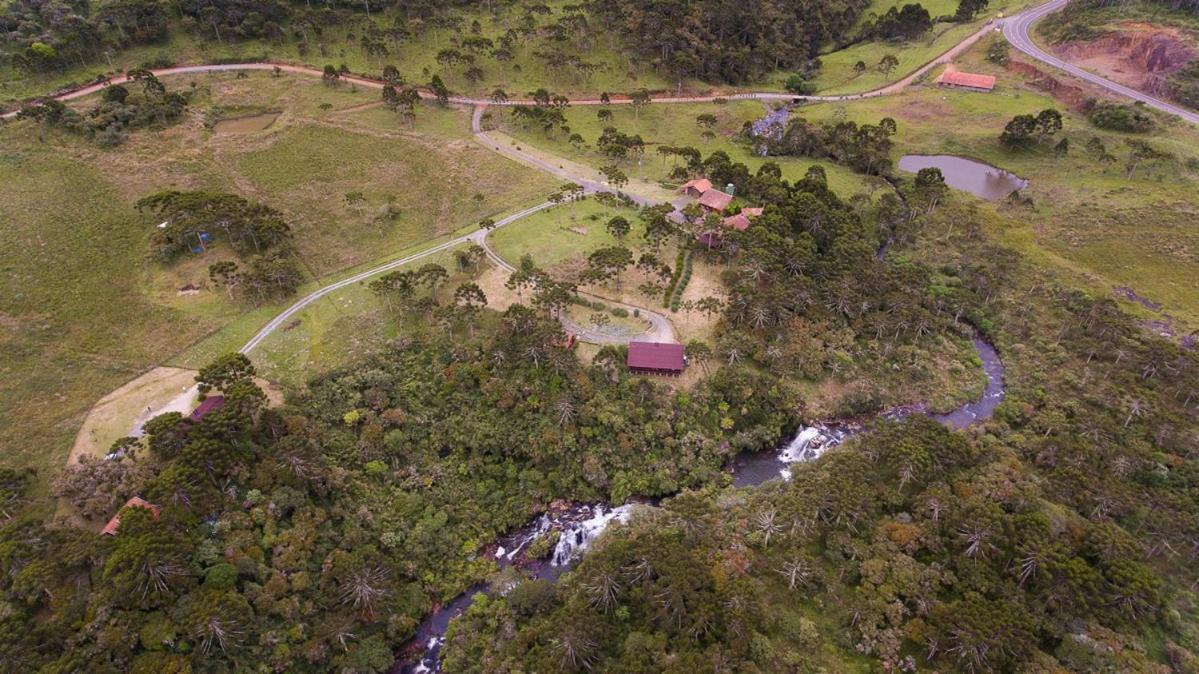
(247, 124)
(975, 177)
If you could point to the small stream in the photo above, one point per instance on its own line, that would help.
(580, 525)
(770, 128)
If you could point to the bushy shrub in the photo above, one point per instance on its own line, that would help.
(1130, 118)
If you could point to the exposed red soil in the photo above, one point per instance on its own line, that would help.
(1139, 55)
(1072, 96)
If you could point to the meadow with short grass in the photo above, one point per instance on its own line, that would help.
(84, 309)
(1085, 216)
(670, 125)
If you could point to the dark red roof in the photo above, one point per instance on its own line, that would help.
(211, 404)
(656, 356)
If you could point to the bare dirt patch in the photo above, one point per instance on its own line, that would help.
(1138, 55)
(1072, 96)
(112, 417)
(161, 390)
(492, 282)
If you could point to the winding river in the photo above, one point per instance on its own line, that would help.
(579, 526)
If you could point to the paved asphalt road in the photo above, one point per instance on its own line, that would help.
(1016, 29)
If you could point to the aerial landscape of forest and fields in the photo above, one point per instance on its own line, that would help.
(609, 336)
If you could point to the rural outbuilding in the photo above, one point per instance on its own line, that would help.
(210, 405)
(715, 200)
(110, 529)
(972, 81)
(696, 188)
(656, 358)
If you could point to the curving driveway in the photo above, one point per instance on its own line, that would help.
(1016, 30)
(660, 330)
(315, 295)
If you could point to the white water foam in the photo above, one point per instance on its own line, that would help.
(809, 443)
(429, 663)
(576, 538)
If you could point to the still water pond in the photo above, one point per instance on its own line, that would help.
(975, 177)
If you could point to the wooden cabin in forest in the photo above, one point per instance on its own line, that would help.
(656, 358)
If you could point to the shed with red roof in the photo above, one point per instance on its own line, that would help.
(210, 405)
(656, 358)
(972, 81)
(697, 187)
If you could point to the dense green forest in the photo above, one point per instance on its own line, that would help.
(710, 40)
(317, 535)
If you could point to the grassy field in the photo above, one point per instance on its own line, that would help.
(82, 310)
(1087, 218)
(563, 235)
(673, 125)
(341, 327)
(416, 58)
(836, 75)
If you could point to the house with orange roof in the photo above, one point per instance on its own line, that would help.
(971, 81)
(110, 529)
(696, 188)
(716, 201)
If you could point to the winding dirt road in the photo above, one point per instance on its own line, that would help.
(1015, 29)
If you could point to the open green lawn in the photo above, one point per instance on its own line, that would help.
(1087, 217)
(672, 125)
(836, 75)
(341, 327)
(416, 58)
(563, 234)
(82, 310)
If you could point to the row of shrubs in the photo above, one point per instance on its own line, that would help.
(619, 312)
(680, 279)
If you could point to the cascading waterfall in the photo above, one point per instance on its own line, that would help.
(808, 445)
(581, 525)
(576, 538)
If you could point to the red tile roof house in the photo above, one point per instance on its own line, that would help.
(955, 78)
(656, 358)
(739, 222)
(696, 188)
(715, 200)
(110, 529)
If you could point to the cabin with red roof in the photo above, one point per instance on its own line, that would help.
(971, 81)
(110, 529)
(566, 340)
(696, 188)
(715, 200)
(656, 358)
(739, 222)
